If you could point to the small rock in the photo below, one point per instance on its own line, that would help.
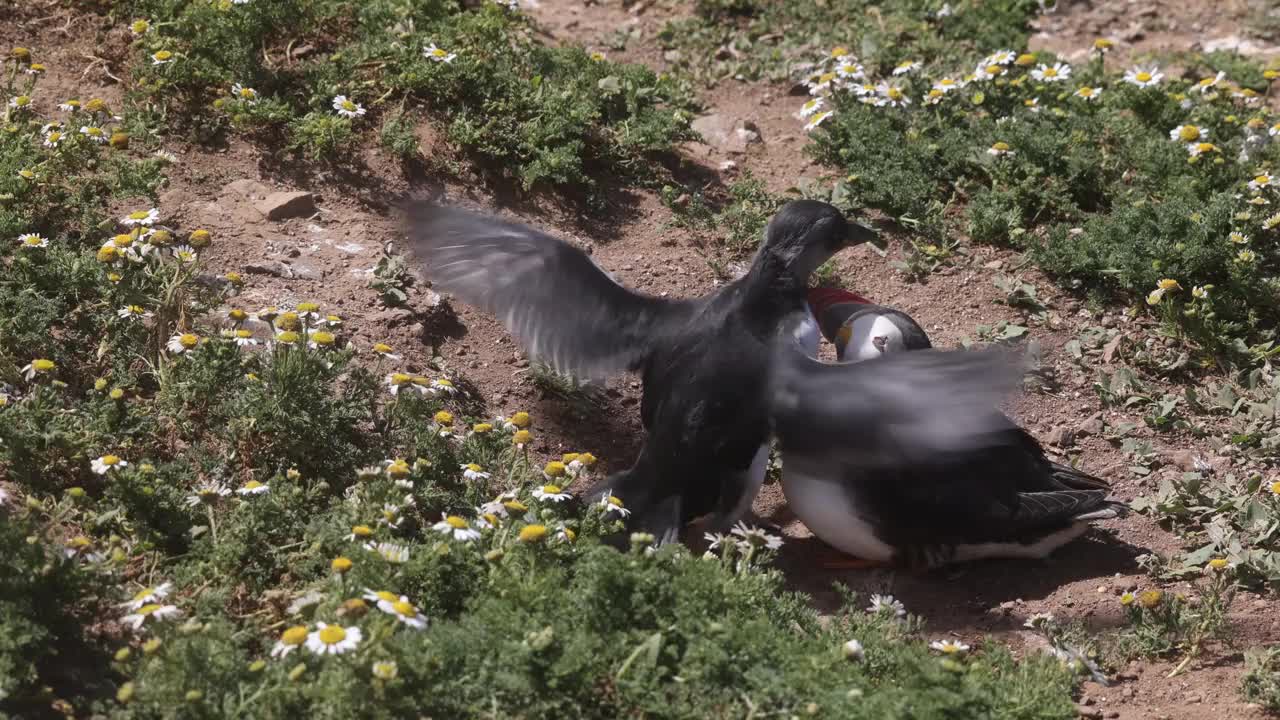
(1184, 460)
(247, 189)
(1109, 350)
(994, 264)
(1088, 712)
(728, 166)
(393, 316)
(268, 267)
(1062, 436)
(1193, 698)
(1111, 714)
(725, 133)
(1093, 425)
(284, 205)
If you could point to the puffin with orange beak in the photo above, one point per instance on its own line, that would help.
(998, 499)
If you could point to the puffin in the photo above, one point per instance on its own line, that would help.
(1003, 499)
(721, 373)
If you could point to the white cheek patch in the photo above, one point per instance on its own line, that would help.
(870, 337)
(808, 334)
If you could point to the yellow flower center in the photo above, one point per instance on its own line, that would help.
(522, 437)
(1168, 284)
(1205, 147)
(1262, 179)
(22, 100)
(1050, 72)
(946, 82)
(144, 593)
(516, 506)
(295, 635)
(381, 348)
(1150, 598)
(1102, 44)
(1218, 563)
(163, 55)
(1275, 488)
(554, 469)
(398, 469)
(308, 307)
(551, 489)
(247, 93)
(252, 485)
(521, 419)
(400, 378)
(404, 608)
(361, 531)
(456, 522)
(894, 93)
(1189, 133)
(532, 533)
(188, 341)
(1143, 76)
(110, 460)
(438, 52)
(481, 428)
(1001, 147)
(474, 467)
(994, 69)
(288, 337)
(288, 321)
(614, 501)
(341, 564)
(322, 338)
(332, 635)
(444, 417)
(348, 105)
(444, 382)
(139, 215)
(1025, 59)
(837, 52)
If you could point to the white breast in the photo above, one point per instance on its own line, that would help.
(825, 508)
(870, 336)
(808, 334)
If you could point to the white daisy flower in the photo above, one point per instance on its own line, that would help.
(1000, 149)
(891, 96)
(290, 640)
(391, 552)
(907, 66)
(347, 108)
(1144, 77)
(37, 367)
(20, 102)
(108, 463)
(812, 106)
(820, 84)
(472, 471)
(984, 72)
(436, 54)
(1058, 72)
(756, 536)
(613, 504)
(386, 670)
(457, 528)
(949, 647)
(70, 106)
(947, 84)
(253, 487)
(385, 350)
(404, 612)
(182, 342)
(133, 312)
(1262, 180)
(148, 595)
(1188, 133)
(32, 240)
(391, 515)
(163, 57)
(244, 94)
(1201, 148)
(886, 605)
(1032, 104)
(551, 493)
(333, 639)
(1001, 57)
(95, 133)
(145, 218)
(850, 70)
(208, 493)
(817, 120)
(53, 138)
(1088, 94)
(1274, 130)
(242, 337)
(1238, 238)
(153, 612)
(944, 12)
(1205, 84)
(718, 540)
(443, 386)
(398, 381)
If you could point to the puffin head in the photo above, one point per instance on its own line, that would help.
(806, 233)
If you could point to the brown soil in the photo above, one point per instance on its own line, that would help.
(328, 258)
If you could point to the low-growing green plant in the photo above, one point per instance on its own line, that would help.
(545, 116)
(1261, 682)
(1162, 623)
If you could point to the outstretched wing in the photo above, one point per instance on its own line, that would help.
(553, 298)
(893, 411)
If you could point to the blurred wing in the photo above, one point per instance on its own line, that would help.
(893, 411)
(553, 298)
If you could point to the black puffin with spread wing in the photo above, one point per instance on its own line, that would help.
(721, 372)
(1000, 499)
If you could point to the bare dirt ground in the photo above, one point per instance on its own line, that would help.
(328, 258)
